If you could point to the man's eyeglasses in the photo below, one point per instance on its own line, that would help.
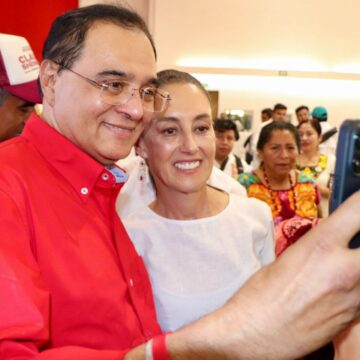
(118, 92)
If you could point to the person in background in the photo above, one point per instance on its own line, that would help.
(226, 134)
(329, 132)
(194, 271)
(266, 114)
(313, 163)
(250, 149)
(72, 285)
(302, 113)
(279, 113)
(19, 91)
(290, 194)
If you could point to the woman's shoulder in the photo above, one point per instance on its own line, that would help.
(218, 179)
(139, 216)
(249, 206)
(248, 179)
(304, 178)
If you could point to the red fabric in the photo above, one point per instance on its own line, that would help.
(32, 19)
(71, 283)
(290, 230)
(159, 348)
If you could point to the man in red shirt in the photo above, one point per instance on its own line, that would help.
(71, 283)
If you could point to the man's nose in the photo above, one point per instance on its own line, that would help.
(133, 107)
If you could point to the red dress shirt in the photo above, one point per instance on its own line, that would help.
(71, 283)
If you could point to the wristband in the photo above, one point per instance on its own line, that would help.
(159, 350)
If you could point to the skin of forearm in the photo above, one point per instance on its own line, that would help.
(325, 191)
(257, 326)
(228, 333)
(137, 353)
(288, 308)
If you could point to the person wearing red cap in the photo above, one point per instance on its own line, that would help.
(19, 90)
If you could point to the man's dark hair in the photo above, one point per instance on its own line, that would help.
(172, 76)
(301, 107)
(222, 125)
(269, 129)
(279, 106)
(267, 111)
(68, 32)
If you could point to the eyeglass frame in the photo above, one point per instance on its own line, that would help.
(102, 86)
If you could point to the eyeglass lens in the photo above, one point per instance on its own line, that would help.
(152, 100)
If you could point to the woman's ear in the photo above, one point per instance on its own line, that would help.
(140, 148)
(47, 77)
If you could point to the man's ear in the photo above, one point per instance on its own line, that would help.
(141, 148)
(47, 76)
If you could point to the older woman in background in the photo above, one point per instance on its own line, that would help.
(289, 193)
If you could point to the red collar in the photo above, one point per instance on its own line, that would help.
(77, 167)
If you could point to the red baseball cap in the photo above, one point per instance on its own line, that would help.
(19, 68)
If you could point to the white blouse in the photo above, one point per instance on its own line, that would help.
(195, 266)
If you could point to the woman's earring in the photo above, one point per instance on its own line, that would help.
(143, 171)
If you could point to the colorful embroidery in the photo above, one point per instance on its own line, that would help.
(315, 171)
(304, 191)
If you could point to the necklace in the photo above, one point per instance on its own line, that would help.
(274, 196)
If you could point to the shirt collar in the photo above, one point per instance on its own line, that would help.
(77, 167)
(120, 175)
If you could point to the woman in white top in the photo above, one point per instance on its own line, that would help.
(199, 244)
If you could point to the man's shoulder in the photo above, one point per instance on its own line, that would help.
(13, 147)
(15, 154)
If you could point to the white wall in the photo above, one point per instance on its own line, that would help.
(279, 34)
(340, 97)
(308, 39)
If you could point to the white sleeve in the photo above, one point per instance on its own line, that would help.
(222, 181)
(267, 254)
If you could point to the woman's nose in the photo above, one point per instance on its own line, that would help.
(189, 143)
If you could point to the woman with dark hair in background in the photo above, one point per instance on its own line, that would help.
(289, 193)
(313, 163)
